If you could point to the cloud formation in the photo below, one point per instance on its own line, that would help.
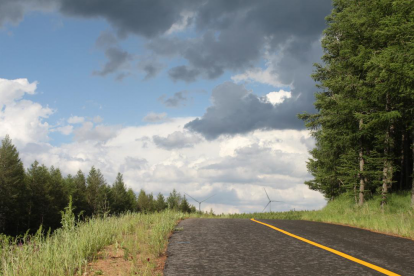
(236, 110)
(117, 60)
(153, 117)
(22, 119)
(176, 140)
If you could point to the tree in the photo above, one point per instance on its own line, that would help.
(160, 203)
(365, 109)
(96, 191)
(174, 200)
(12, 189)
(120, 196)
(184, 206)
(143, 201)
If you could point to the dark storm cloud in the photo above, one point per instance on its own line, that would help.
(176, 140)
(145, 18)
(117, 59)
(235, 110)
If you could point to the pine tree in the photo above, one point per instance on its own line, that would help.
(160, 203)
(120, 196)
(12, 189)
(96, 191)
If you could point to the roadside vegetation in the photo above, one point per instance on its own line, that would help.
(137, 239)
(364, 125)
(396, 218)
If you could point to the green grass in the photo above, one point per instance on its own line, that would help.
(69, 249)
(397, 218)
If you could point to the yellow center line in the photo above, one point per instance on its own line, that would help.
(346, 256)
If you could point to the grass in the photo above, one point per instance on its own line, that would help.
(397, 218)
(141, 237)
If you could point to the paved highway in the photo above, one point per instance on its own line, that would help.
(245, 247)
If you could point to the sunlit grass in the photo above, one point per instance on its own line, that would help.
(397, 217)
(69, 249)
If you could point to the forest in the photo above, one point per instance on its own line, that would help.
(364, 125)
(36, 197)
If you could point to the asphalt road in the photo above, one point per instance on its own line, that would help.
(243, 247)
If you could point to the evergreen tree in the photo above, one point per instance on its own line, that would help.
(39, 197)
(365, 115)
(12, 189)
(160, 203)
(174, 200)
(184, 206)
(96, 191)
(120, 196)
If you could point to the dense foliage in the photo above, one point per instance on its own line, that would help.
(29, 199)
(364, 128)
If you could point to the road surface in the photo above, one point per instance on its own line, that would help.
(245, 247)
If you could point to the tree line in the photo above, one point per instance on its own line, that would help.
(364, 127)
(36, 196)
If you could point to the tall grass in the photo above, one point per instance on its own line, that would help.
(397, 217)
(69, 249)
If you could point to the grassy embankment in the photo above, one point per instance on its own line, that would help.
(136, 239)
(396, 219)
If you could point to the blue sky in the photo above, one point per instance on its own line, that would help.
(201, 97)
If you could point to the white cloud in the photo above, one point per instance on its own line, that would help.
(234, 168)
(278, 97)
(22, 119)
(97, 119)
(100, 133)
(65, 130)
(76, 120)
(13, 90)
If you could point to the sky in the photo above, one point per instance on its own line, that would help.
(198, 96)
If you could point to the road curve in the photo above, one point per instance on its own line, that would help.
(244, 247)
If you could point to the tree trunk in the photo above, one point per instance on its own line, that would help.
(361, 169)
(412, 181)
(402, 175)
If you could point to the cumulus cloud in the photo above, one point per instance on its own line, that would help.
(99, 133)
(22, 119)
(153, 117)
(236, 110)
(176, 140)
(278, 97)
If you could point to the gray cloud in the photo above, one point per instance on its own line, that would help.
(99, 133)
(178, 99)
(150, 66)
(258, 164)
(183, 73)
(13, 11)
(145, 18)
(153, 117)
(106, 39)
(132, 163)
(176, 140)
(236, 110)
(117, 59)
